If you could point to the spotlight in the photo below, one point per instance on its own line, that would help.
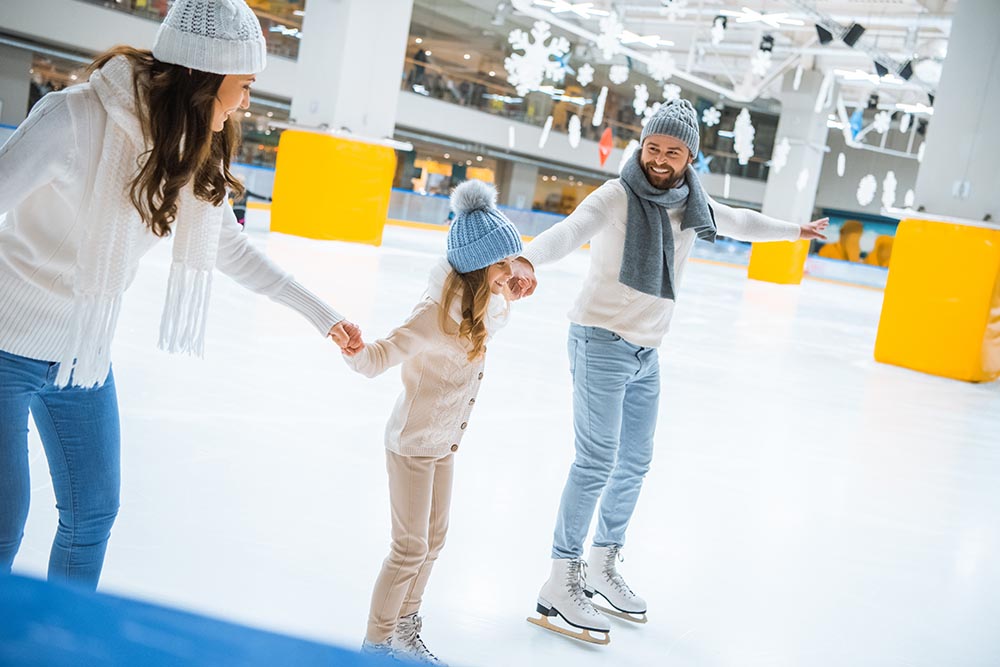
(880, 69)
(907, 71)
(873, 101)
(854, 34)
(767, 43)
(825, 36)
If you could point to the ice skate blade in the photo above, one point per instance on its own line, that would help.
(611, 611)
(581, 634)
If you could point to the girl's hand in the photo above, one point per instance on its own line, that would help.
(522, 282)
(348, 336)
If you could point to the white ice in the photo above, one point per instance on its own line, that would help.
(807, 506)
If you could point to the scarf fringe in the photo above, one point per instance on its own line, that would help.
(185, 312)
(87, 360)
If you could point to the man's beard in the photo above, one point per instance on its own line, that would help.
(663, 181)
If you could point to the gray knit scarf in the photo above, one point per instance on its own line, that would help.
(648, 261)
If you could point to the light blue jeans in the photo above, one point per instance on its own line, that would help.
(616, 394)
(81, 437)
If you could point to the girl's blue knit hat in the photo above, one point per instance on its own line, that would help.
(480, 234)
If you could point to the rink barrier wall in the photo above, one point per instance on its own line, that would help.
(331, 188)
(941, 311)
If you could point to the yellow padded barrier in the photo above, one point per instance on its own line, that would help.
(941, 311)
(331, 188)
(781, 262)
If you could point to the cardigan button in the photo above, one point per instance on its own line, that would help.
(472, 401)
(464, 424)
(454, 448)
(480, 376)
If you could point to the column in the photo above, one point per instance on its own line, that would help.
(15, 83)
(516, 183)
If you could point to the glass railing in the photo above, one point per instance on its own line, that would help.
(280, 21)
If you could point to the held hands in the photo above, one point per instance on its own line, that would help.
(522, 282)
(348, 336)
(814, 229)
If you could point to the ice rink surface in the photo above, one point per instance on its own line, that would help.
(806, 507)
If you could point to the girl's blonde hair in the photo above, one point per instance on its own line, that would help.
(475, 293)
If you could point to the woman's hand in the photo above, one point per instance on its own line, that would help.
(348, 336)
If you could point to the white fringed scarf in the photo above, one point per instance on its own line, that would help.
(110, 242)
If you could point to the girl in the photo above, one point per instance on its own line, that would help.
(96, 175)
(442, 347)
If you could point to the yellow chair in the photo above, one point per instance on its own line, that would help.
(941, 311)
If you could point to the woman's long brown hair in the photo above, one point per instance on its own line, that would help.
(475, 293)
(175, 108)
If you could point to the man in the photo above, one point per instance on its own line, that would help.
(642, 227)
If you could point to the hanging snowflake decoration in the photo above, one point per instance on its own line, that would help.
(527, 71)
(611, 31)
(599, 107)
(802, 181)
(671, 91)
(718, 30)
(779, 158)
(866, 190)
(743, 133)
(545, 132)
(618, 74)
(629, 151)
(909, 198)
(641, 99)
(841, 164)
(650, 112)
(761, 63)
(510, 137)
(673, 9)
(904, 123)
(882, 122)
(797, 81)
(920, 152)
(585, 74)
(711, 116)
(574, 131)
(661, 66)
(889, 190)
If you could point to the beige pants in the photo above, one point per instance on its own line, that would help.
(420, 497)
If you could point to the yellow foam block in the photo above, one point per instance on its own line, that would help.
(331, 188)
(941, 311)
(781, 262)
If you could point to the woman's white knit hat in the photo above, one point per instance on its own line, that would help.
(218, 36)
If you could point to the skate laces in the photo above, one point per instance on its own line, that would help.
(611, 571)
(576, 577)
(409, 628)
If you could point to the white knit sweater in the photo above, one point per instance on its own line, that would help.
(639, 318)
(47, 174)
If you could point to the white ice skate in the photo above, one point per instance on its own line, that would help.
(407, 644)
(563, 598)
(606, 582)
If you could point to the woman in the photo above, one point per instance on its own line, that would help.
(95, 176)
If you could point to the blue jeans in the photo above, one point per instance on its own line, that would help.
(616, 394)
(81, 437)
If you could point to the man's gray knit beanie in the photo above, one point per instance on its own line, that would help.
(677, 118)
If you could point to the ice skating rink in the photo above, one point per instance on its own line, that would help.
(807, 507)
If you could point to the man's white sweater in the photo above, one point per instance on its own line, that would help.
(604, 302)
(47, 173)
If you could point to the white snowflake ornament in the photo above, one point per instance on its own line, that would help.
(802, 181)
(797, 81)
(599, 107)
(779, 158)
(841, 164)
(904, 122)
(761, 63)
(909, 198)
(611, 32)
(866, 190)
(585, 74)
(641, 99)
(527, 71)
(711, 116)
(743, 133)
(661, 66)
(574, 131)
(882, 122)
(889, 190)
(545, 132)
(920, 152)
(671, 91)
(618, 74)
(650, 112)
